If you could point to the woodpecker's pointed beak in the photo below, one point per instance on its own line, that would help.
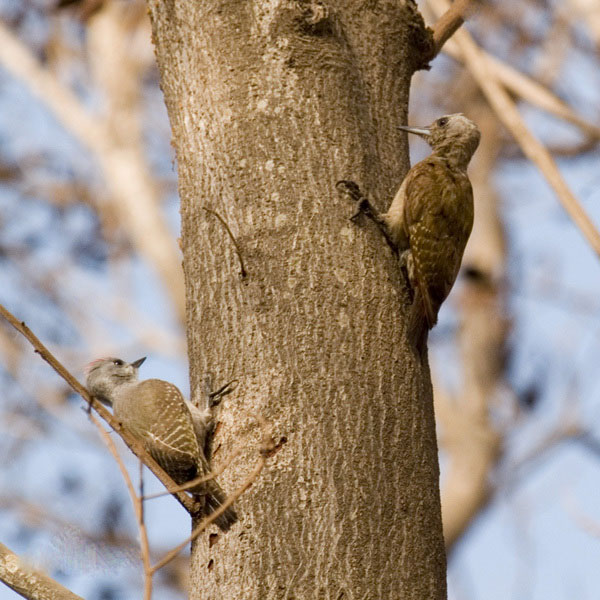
(138, 363)
(420, 131)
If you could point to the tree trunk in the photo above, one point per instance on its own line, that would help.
(270, 103)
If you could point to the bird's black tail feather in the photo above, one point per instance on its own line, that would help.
(215, 500)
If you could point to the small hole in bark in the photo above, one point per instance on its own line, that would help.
(211, 564)
(213, 539)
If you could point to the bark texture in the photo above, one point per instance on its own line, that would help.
(270, 104)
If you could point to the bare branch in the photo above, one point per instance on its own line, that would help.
(509, 115)
(203, 478)
(448, 23)
(137, 506)
(145, 545)
(529, 90)
(134, 197)
(28, 582)
(568, 429)
(133, 444)
(585, 522)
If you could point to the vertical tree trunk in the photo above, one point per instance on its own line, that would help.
(270, 103)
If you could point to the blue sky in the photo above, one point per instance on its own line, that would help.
(57, 273)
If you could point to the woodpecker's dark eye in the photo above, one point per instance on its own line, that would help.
(443, 121)
(118, 362)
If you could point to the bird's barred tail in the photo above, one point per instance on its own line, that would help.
(418, 324)
(215, 500)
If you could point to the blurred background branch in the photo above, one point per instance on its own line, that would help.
(89, 258)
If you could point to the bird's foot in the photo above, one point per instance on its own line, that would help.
(213, 397)
(364, 208)
(218, 395)
(351, 189)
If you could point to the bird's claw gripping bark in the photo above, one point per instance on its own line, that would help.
(364, 208)
(352, 190)
(216, 396)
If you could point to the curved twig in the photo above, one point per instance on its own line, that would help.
(238, 251)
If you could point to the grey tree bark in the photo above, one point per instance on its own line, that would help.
(270, 103)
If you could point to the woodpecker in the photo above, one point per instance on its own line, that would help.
(431, 216)
(171, 429)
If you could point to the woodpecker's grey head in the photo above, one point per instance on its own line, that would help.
(452, 136)
(106, 374)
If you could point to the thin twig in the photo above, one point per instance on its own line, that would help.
(529, 90)
(509, 115)
(448, 23)
(267, 449)
(137, 506)
(584, 521)
(215, 515)
(238, 251)
(133, 444)
(134, 197)
(203, 478)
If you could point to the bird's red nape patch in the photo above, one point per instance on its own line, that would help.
(90, 366)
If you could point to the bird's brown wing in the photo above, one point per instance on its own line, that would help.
(164, 425)
(160, 418)
(438, 216)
